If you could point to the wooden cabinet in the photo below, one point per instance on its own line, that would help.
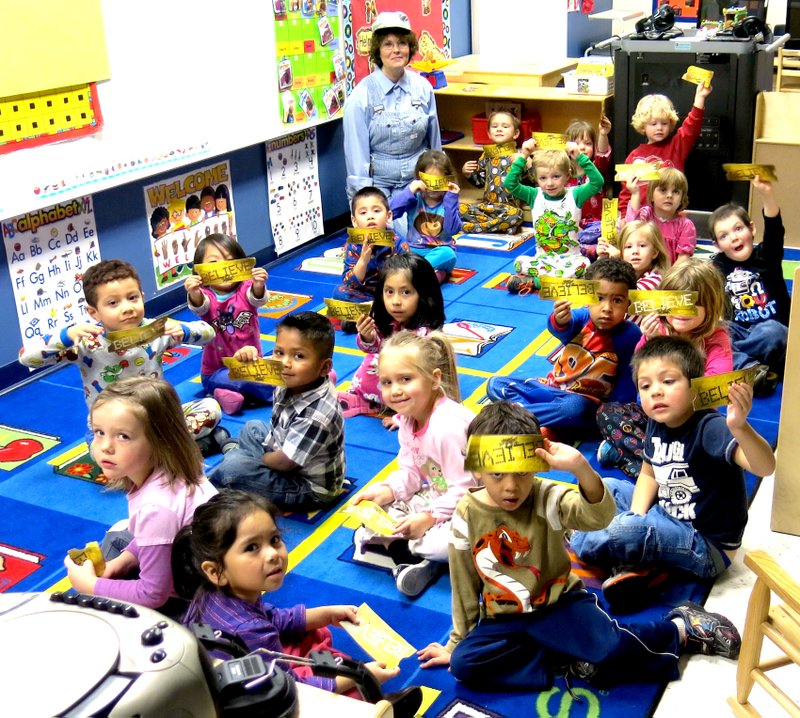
(777, 142)
(460, 101)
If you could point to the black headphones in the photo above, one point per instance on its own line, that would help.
(749, 27)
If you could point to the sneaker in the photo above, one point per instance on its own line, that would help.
(230, 401)
(405, 703)
(583, 670)
(229, 445)
(608, 454)
(355, 404)
(709, 633)
(413, 578)
(630, 588)
(348, 326)
(211, 444)
(765, 381)
(520, 285)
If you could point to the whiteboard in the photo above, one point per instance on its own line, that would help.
(190, 79)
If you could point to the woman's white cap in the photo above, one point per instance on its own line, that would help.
(391, 20)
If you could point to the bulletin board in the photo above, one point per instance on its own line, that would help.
(189, 79)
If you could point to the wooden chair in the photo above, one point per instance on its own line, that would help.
(780, 622)
(788, 62)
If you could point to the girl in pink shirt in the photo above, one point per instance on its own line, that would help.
(142, 445)
(642, 247)
(419, 381)
(232, 309)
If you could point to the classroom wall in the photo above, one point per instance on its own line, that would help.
(123, 228)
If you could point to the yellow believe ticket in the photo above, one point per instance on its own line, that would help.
(549, 140)
(608, 221)
(377, 237)
(503, 150)
(711, 391)
(435, 182)
(643, 171)
(372, 516)
(580, 292)
(746, 172)
(91, 552)
(338, 309)
(663, 302)
(263, 371)
(698, 75)
(503, 453)
(127, 338)
(377, 638)
(233, 270)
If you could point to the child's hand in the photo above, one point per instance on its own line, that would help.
(192, 284)
(414, 526)
(83, 331)
(365, 326)
(562, 457)
(83, 577)
(572, 150)
(366, 254)
(390, 423)
(174, 329)
(605, 249)
(740, 398)
(381, 672)
(381, 495)
(259, 280)
(652, 326)
(334, 615)
(434, 654)
(470, 168)
(605, 126)
(762, 186)
(700, 95)
(633, 185)
(417, 186)
(562, 312)
(246, 354)
(528, 147)
(453, 187)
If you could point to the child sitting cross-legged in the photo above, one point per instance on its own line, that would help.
(688, 508)
(520, 620)
(593, 363)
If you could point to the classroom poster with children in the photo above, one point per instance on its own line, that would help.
(430, 21)
(181, 211)
(295, 203)
(310, 59)
(48, 251)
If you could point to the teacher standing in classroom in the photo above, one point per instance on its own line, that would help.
(390, 118)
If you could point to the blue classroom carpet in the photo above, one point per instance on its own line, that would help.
(46, 512)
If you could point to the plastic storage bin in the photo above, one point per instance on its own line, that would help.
(480, 128)
(587, 84)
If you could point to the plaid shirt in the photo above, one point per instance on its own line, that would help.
(309, 429)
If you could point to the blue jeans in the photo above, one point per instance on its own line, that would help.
(552, 407)
(655, 538)
(763, 343)
(442, 258)
(242, 468)
(219, 380)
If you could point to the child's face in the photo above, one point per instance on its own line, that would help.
(400, 297)
(404, 388)
(656, 129)
(638, 252)
(586, 146)
(120, 305)
(665, 392)
(551, 180)
(506, 491)
(120, 446)
(215, 253)
(734, 238)
(302, 364)
(612, 305)
(370, 213)
(666, 201)
(687, 325)
(433, 197)
(501, 129)
(257, 559)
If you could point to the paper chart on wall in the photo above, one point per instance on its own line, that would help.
(295, 204)
(48, 251)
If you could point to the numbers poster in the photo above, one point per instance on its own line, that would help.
(181, 211)
(48, 251)
(295, 204)
(310, 59)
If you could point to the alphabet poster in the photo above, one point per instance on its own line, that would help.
(295, 204)
(181, 211)
(48, 251)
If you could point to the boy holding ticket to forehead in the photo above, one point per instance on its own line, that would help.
(688, 508)
(520, 616)
(592, 366)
